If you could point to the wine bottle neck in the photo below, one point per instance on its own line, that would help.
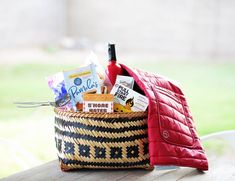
(112, 53)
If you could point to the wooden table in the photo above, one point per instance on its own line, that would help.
(220, 150)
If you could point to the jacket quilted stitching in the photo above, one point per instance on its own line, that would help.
(172, 135)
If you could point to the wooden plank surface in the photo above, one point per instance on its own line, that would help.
(221, 167)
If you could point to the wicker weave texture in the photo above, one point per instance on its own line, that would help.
(107, 141)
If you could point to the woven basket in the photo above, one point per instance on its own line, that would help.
(98, 140)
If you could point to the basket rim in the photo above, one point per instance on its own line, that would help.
(61, 112)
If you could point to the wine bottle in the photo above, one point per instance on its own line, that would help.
(113, 68)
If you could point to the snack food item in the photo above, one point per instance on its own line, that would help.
(125, 80)
(128, 100)
(57, 85)
(63, 101)
(80, 80)
(98, 103)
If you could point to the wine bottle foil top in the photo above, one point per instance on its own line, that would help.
(111, 52)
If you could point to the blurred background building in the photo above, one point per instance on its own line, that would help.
(180, 28)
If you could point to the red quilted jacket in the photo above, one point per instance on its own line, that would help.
(173, 139)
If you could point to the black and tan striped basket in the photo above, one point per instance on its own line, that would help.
(98, 140)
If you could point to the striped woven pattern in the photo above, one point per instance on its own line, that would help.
(98, 140)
